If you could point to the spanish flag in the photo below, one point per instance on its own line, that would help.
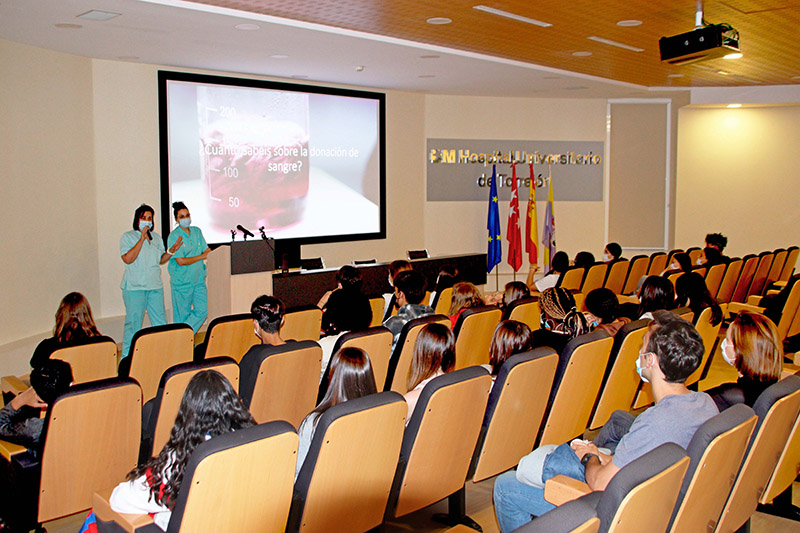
(531, 224)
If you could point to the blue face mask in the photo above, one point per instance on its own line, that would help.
(185, 222)
(639, 369)
(145, 224)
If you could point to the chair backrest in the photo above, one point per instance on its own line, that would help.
(377, 342)
(700, 270)
(572, 278)
(644, 491)
(658, 263)
(708, 333)
(672, 253)
(638, 268)
(580, 372)
(694, 253)
(91, 441)
(715, 454)
(714, 278)
(787, 468)
(525, 310)
(170, 394)
(239, 481)
(90, 362)
(789, 313)
(728, 284)
(745, 277)
(443, 301)
(617, 273)
(377, 304)
(400, 363)
(230, 336)
(439, 440)
(280, 382)
(777, 409)
(346, 478)
(673, 278)
(760, 276)
(777, 266)
(153, 351)
(514, 412)
(621, 380)
(474, 331)
(788, 266)
(595, 277)
(302, 323)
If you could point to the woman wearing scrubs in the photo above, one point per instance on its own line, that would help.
(143, 252)
(187, 270)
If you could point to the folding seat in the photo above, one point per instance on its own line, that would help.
(621, 380)
(714, 278)
(302, 323)
(617, 274)
(228, 336)
(474, 331)
(572, 278)
(777, 267)
(376, 342)
(595, 277)
(745, 278)
(443, 301)
(400, 362)
(760, 276)
(638, 268)
(789, 314)
(346, 478)
(658, 263)
(97, 359)
(580, 372)
(728, 284)
(281, 382)
(708, 333)
(788, 267)
(525, 310)
(439, 442)
(153, 351)
(161, 413)
(641, 496)
(239, 481)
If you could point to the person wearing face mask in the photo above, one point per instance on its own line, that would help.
(753, 348)
(142, 251)
(672, 350)
(612, 252)
(187, 270)
(268, 317)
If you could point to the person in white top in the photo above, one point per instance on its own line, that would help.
(210, 407)
(434, 355)
(558, 266)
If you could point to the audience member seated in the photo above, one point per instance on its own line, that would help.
(681, 262)
(510, 338)
(602, 311)
(612, 252)
(752, 347)
(710, 256)
(395, 267)
(20, 422)
(561, 320)
(350, 378)
(558, 266)
(210, 407)
(409, 290)
(673, 350)
(691, 291)
(267, 312)
(434, 355)
(465, 295)
(718, 241)
(513, 291)
(74, 325)
(448, 275)
(656, 293)
(584, 259)
(346, 305)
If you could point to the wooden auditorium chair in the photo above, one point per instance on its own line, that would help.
(443, 301)
(92, 361)
(153, 351)
(694, 253)
(228, 336)
(789, 314)
(671, 255)
(400, 362)
(574, 516)
(708, 333)
(281, 382)
(376, 303)
(745, 278)
(637, 269)
(302, 323)
(658, 264)
(346, 478)
(777, 496)
(758, 283)
(788, 267)
(474, 331)
(714, 278)
(525, 310)
(376, 342)
(617, 274)
(572, 278)
(594, 278)
(239, 481)
(777, 267)
(728, 284)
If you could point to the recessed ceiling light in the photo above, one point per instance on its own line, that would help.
(128, 58)
(735, 55)
(98, 15)
(279, 56)
(426, 76)
(429, 57)
(299, 76)
(675, 75)
(65, 26)
(629, 23)
(581, 54)
(734, 106)
(438, 21)
(615, 43)
(359, 68)
(513, 16)
(247, 26)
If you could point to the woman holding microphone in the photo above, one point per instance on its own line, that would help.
(142, 251)
(187, 270)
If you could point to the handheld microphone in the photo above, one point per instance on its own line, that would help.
(244, 231)
(147, 233)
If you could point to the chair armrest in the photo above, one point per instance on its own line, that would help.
(754, 299)
(735, 307)
(128, 522)
(12, 384)
(561, 489)
(7, 449)
(627, 299)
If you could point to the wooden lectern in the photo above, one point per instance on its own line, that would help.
(239, 272)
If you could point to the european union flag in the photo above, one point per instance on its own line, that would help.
(495, 253)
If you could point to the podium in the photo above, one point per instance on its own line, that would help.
(237, 273)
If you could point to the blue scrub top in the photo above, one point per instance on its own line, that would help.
(192, 245)
(144, 274)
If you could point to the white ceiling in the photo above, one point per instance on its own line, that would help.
(174, 33)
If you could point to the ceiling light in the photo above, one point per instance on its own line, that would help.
(615, 43)
(279, 56)
(520, 18)
(675, 75)
(359, 68)
(629, 23)
(65, 26)
(437, 21)
(581, 54)
(734, 106)
(98, 15)
(247, 26)
(429, 57)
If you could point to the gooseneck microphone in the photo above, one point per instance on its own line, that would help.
(246, 232)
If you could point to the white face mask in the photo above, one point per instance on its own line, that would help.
(606, 257)
(724, 347)
(639, 368)
(255, 330)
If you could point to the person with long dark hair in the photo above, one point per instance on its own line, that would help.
(74, 325)
(210, 407)
(558, 266)
(656, 293)
(510, 338)
(187, 270)
(691, 290)
(434, 355)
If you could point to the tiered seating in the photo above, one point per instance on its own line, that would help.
(474, 331)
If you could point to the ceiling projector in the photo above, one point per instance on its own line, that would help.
(701, 44)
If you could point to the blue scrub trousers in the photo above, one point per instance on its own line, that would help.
(190, 305)
(136, 303)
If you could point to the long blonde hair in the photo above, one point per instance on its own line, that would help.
(758, 349)
(465, 295)
(74, 319)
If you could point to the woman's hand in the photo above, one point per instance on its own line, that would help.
(174, 247)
